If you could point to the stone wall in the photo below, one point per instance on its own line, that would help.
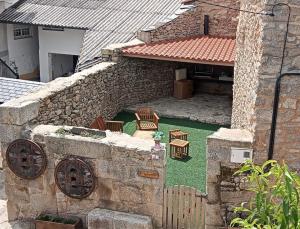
(248, 57)
(260, 45)
(116, 160)
(107, 91)
(223, 22)
(104, 90)
(224, 191)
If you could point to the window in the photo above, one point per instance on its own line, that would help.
(21, 32)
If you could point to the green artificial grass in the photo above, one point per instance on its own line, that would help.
(189, 172)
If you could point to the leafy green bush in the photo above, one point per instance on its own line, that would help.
(275, 203)
(56, 219)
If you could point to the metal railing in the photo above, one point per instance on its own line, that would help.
(6, 71)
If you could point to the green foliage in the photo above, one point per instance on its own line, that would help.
(56, 219)
(275, 204)
(158, 135)
(61, 131)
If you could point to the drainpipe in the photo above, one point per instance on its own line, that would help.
(275, 112)
(278, 84)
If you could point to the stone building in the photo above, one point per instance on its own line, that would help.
(260, 47)
(260, 65)
(110, 87)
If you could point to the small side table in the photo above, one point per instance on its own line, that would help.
(177, 134)
(179, 149)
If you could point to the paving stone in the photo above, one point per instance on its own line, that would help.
(106, 219)
(206, 108)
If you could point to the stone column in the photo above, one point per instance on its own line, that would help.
(14, 120)
(223, 190)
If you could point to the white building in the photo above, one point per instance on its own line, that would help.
(47, 39)
(3, 35)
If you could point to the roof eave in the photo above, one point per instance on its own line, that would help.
(38, 24)
(174, 59)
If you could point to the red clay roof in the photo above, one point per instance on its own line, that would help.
(201, 49)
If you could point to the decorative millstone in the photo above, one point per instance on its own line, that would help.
(75, 177)
(26, 159)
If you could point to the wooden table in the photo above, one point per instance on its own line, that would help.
(179, 149)
(177, 134)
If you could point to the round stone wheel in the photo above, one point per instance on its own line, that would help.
(26, 159)
(75, 178)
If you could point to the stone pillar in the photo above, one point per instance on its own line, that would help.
(223, 191)
(13, 125)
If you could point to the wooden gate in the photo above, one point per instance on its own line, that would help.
(184, 207)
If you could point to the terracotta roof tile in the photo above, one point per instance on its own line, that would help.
(201, 49)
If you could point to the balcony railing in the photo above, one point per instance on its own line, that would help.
(6, 71)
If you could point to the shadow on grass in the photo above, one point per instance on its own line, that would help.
(186, 123)
(185, 160)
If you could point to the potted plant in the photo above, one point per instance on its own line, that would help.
(157, 136)
(47, 221)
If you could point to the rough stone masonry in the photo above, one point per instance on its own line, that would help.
(260, 41)
(222, 22)
(117, 161)
(260, 44)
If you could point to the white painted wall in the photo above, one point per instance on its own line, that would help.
(3, 36)
(23, 52)
(7, 3)
(68, 42)
(3, 42)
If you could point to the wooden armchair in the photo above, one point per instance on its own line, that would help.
(114, 126)
(146, 119)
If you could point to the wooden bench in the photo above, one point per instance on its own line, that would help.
(114, 126)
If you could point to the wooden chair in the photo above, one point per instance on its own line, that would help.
(146, 119)
(114, 126)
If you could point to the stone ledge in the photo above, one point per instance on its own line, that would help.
(26, 108)
(232, 135)
(112, 139)
(106, 219)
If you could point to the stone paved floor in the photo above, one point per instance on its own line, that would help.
(4, 224)
(212, 109)
(144, 134)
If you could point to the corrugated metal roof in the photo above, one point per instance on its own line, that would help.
(13, 88)
(106, 21)
(201, 49)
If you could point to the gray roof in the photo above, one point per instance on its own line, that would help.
(106, 21)
(13, 88)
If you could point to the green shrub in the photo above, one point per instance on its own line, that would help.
(56, 219)
(275, 203)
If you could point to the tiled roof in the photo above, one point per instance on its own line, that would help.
(106, 21)
(13, 88)
(201, 49)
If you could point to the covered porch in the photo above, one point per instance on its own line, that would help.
(202, 79)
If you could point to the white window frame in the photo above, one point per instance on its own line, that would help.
(22, 32)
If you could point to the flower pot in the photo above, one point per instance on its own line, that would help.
(157, 145)
(53, 222)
